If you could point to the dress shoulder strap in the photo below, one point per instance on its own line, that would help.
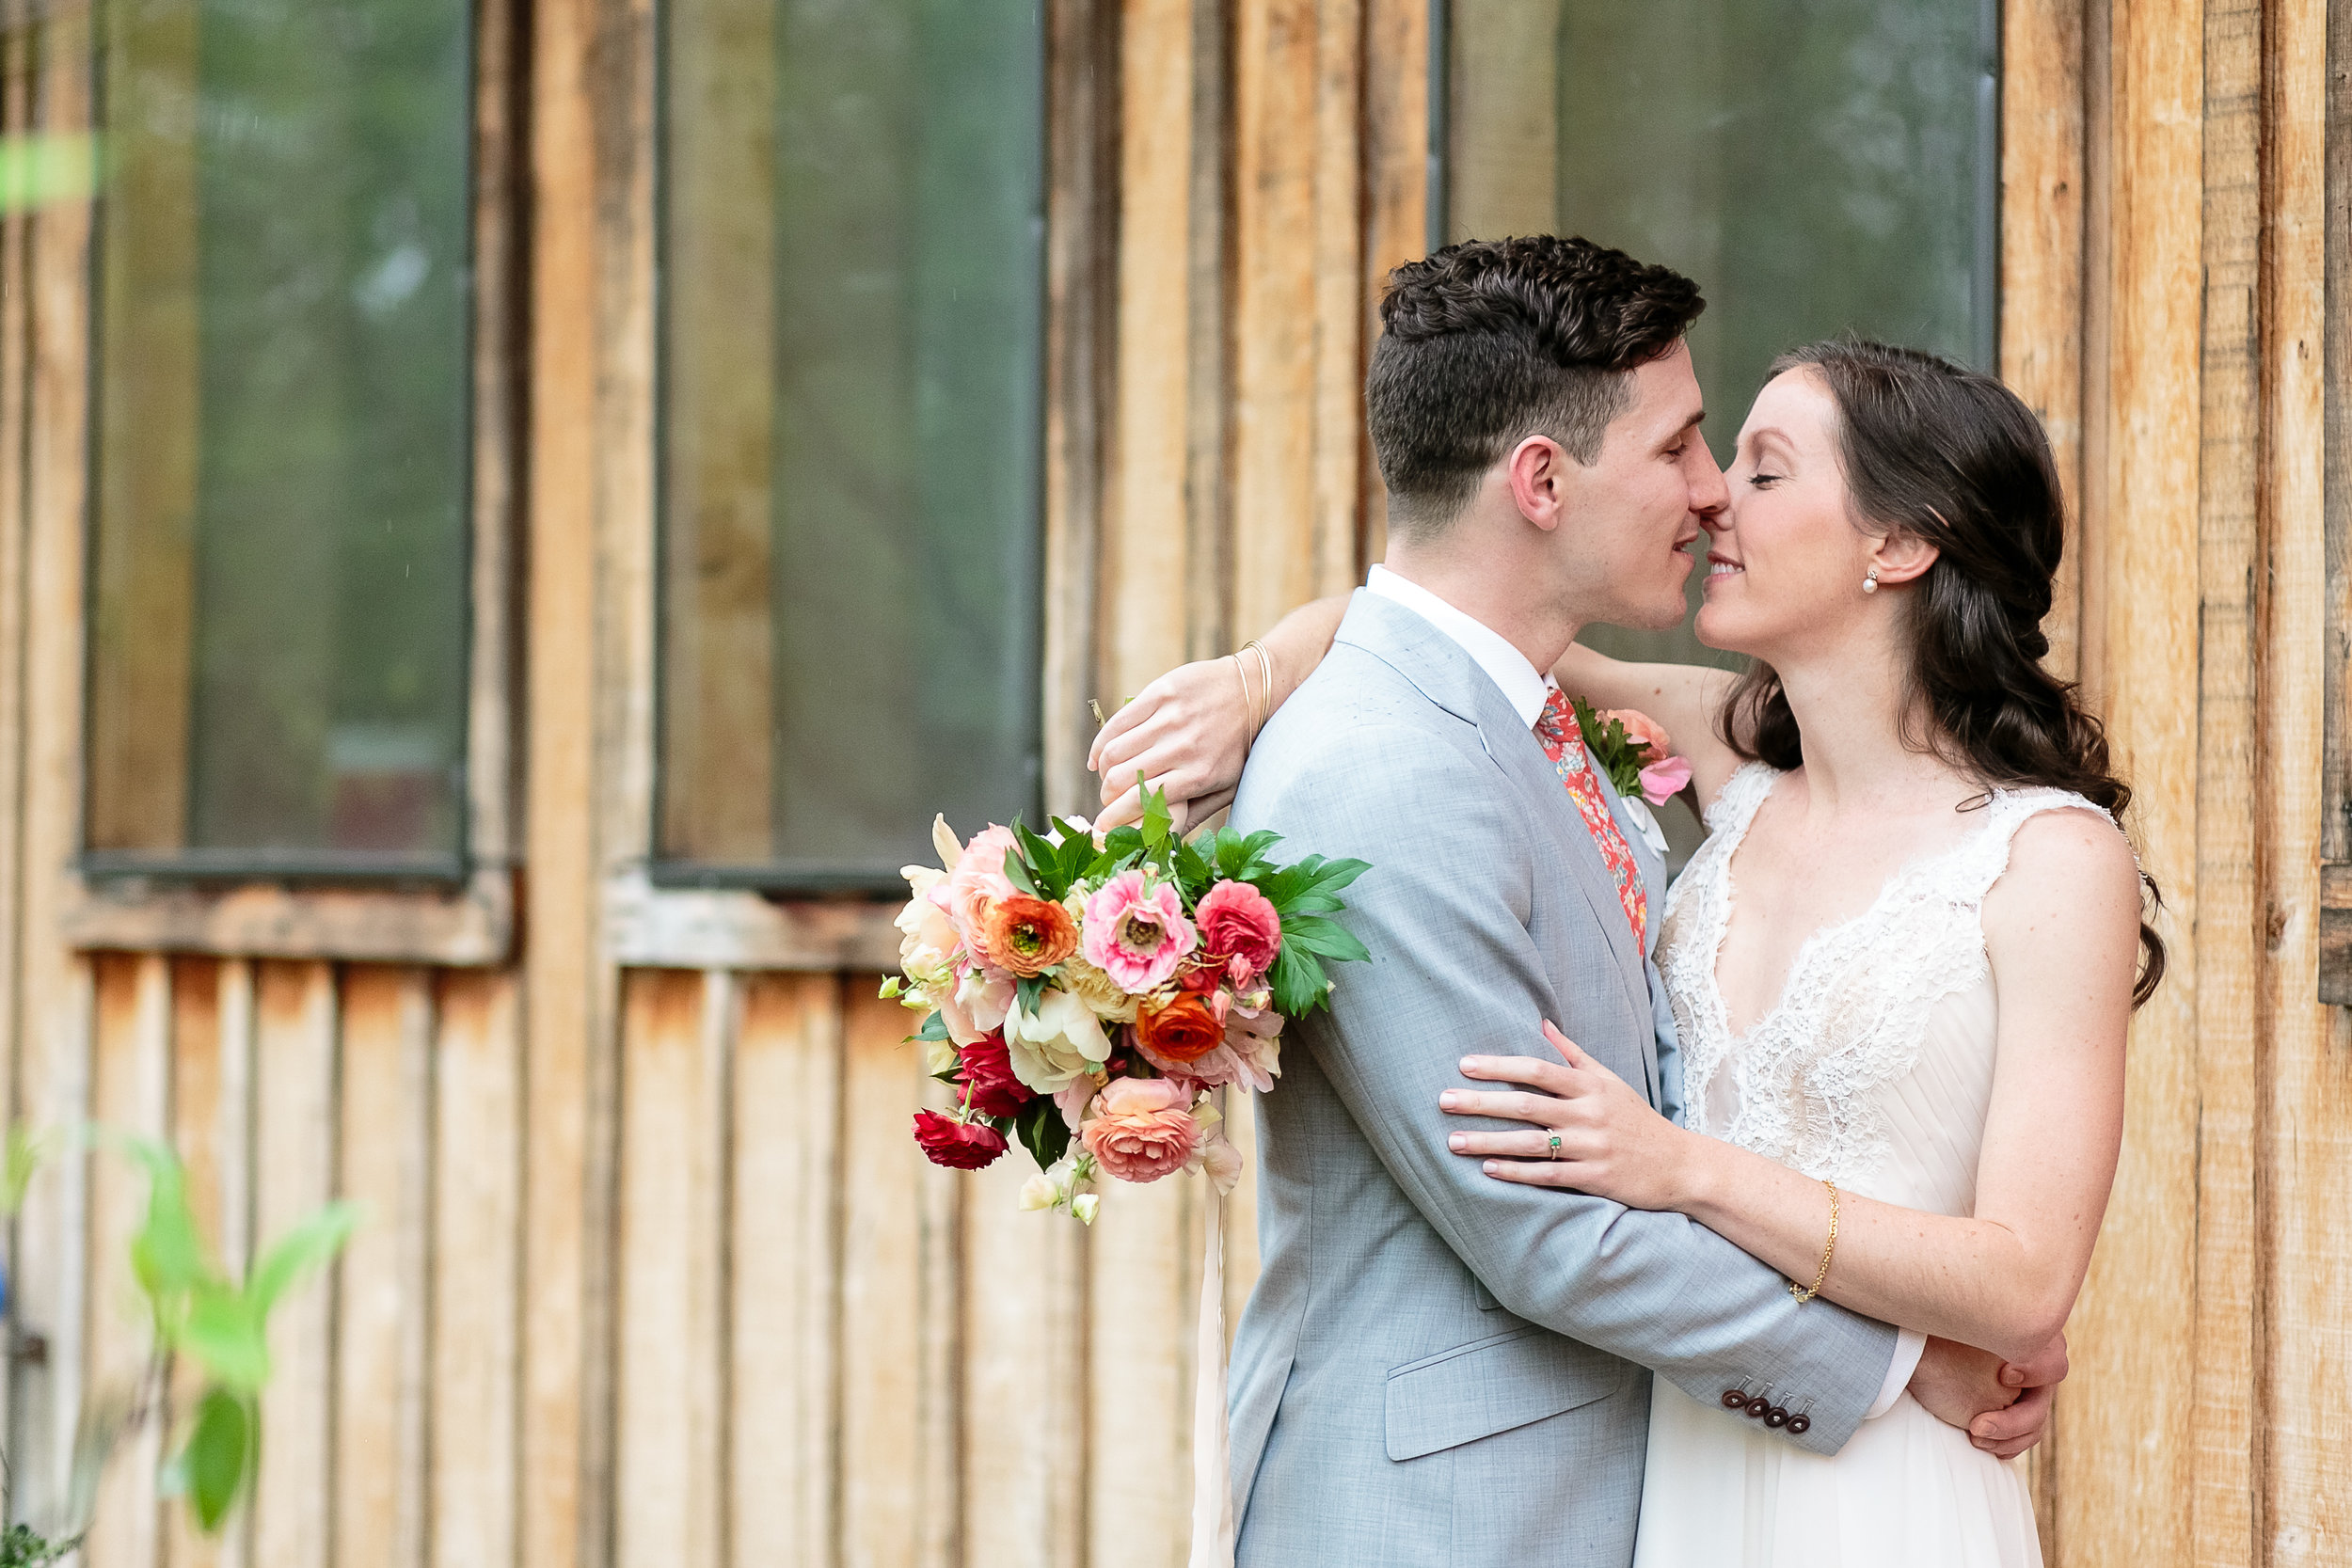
(1735, 806)
(2006, 811)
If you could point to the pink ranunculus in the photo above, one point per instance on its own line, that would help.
(977, 880)
(1237, 921)
(1136, 933)
(1641, 729)
(1142, 1129)
(1662, 781)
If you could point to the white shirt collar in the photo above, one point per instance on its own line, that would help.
(1521, 685)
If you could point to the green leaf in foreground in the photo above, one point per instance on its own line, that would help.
(1042, 1132)
(218, 1456)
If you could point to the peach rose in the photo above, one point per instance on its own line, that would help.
(1641, 729)
(1028, 936)
(1142, 1130)
(976, 880)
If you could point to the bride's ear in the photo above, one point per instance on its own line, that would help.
(1900, 557)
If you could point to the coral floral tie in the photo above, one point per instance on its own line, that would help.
(1564, 743)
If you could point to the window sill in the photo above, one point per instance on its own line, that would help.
(471, 927)
(655, 928)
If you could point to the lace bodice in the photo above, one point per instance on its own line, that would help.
(1821, 1081)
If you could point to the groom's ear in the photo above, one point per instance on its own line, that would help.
(1902, 556)
(1537, 472)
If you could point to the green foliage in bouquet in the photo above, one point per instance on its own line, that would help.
(1305, 896)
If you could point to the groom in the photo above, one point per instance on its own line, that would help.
(1435, 1367)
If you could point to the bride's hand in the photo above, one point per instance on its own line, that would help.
(1610, 1142)
(1187, 734)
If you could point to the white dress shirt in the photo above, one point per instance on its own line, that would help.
(1527, 689)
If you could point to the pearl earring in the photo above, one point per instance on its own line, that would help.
(1870, 583)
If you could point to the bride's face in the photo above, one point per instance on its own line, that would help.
(1785, 561)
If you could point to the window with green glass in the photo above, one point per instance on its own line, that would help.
(850, 319)
(277, 669)
(1819, 168)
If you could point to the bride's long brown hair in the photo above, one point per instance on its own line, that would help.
(1937, 450)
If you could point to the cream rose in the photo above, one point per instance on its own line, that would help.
(1055, 1044)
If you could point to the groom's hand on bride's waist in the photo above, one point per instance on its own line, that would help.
(2003, 1407)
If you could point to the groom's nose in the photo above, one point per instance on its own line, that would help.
(1709, 494)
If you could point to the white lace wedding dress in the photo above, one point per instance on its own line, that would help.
(1874, 1069)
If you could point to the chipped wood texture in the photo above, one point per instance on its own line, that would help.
(2304, 1180)
(2042, 259)
(474, 1366)
(381, 1332)
(294, 1096)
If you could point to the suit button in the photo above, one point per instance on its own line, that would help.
(1757, 1406)
(1775, 1418)
(1735, 1400)
(1799, 1425)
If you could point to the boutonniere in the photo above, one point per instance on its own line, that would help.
(1632, 749)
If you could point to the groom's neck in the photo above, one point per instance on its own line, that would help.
(1494, 592)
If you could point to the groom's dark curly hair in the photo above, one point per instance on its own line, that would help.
(1489, 342)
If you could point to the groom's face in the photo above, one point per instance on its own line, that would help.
(1643, 501)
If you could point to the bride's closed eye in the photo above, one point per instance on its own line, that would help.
(1761, 479)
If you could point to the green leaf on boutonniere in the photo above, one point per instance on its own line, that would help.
(1613, 751)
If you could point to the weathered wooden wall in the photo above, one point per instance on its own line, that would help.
(654, 1273)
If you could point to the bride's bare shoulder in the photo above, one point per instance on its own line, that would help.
(2071, 876)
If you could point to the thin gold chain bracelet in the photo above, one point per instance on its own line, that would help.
(1806, 1293)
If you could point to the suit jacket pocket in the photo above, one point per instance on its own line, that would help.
(1493, 1384)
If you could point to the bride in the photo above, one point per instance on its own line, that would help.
(1901, 967)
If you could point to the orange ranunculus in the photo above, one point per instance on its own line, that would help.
(1028, 936)
(1183, 1029)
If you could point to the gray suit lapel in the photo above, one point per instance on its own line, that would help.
(1443, 671)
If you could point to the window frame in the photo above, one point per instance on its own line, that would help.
(455, 909)
(782, 878)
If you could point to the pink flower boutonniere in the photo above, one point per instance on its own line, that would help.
(1632, 749)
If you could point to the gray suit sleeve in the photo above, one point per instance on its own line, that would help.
(1453, 969)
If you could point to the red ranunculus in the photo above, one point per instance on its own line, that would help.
(989, 1085)
(957, 1145)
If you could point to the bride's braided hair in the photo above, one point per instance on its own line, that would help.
(1955, 458)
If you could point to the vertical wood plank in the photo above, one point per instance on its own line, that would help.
(2303, 1517)
(130, 1094)
(786, 1257)
(197, 1119)
(563, 1385)
(897, 1425)
(385, 1148)
(1503, 139)
(1144, 1277)
(293, 1159)
(1024, 1330)
(1081, 290)
(477, 1191)
(1145, 543)
(1396, 190)
(2128, 1461)
(51, 1024)
(670, 1474)
(235, 1170)
(2335, 786)
(2042, 259)
(1298, 318)
(2227, 951)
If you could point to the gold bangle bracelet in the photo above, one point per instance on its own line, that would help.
(1804, 1293)
(1265, 682)
(1249, 703)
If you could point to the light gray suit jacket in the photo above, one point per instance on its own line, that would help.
(1436, 1368)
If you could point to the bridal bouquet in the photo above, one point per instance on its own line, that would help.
(1085, 992)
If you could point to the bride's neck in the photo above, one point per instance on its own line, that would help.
(1850, 707)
